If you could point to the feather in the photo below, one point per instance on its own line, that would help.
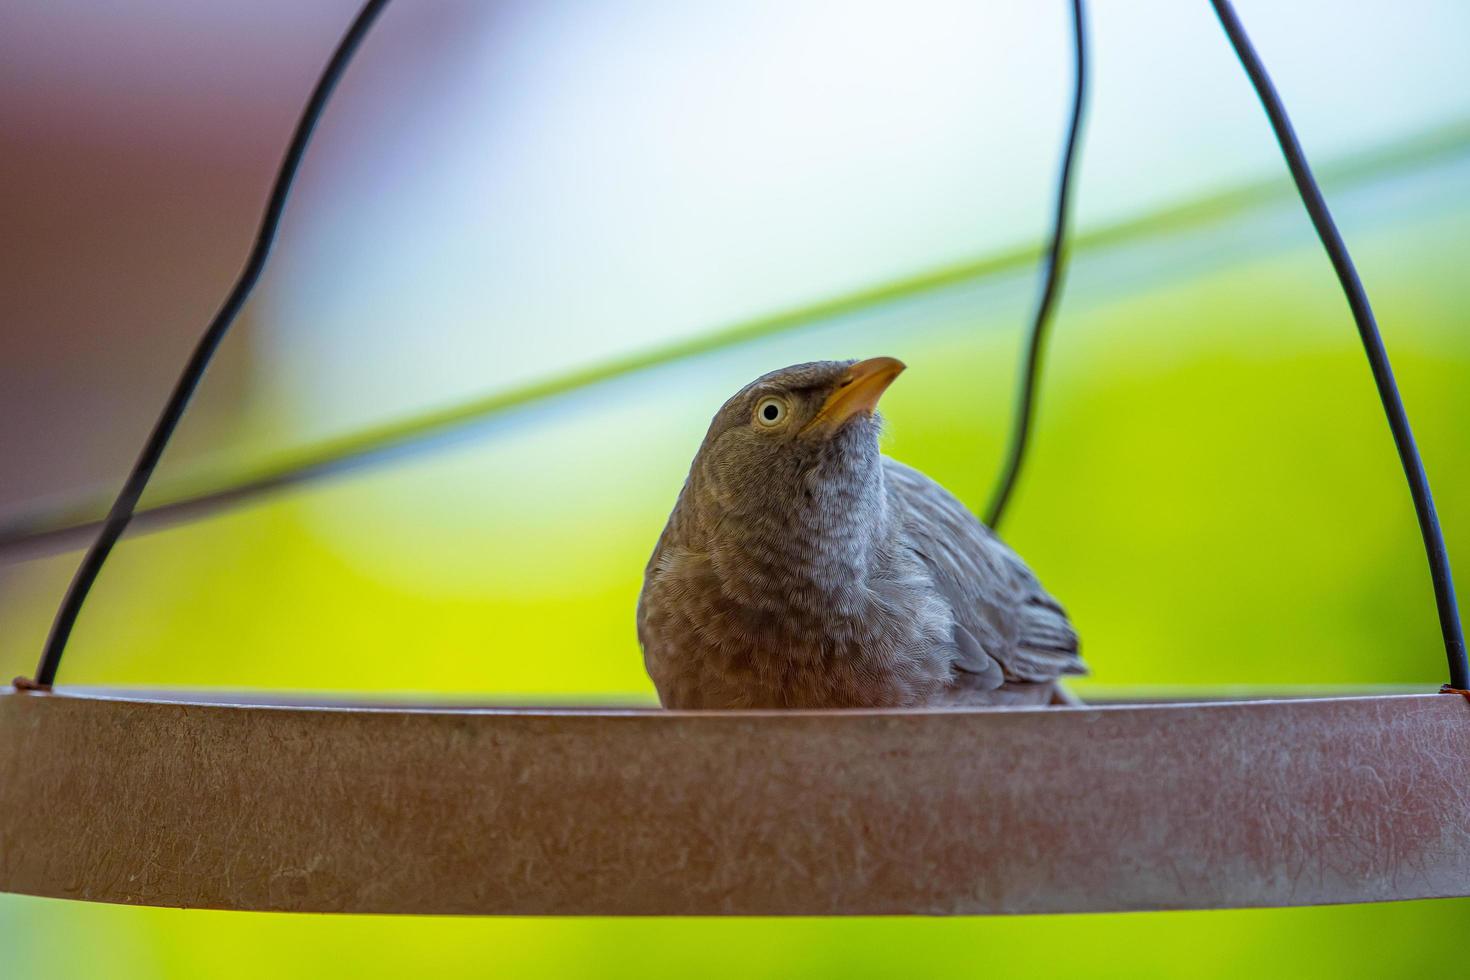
(994, 597)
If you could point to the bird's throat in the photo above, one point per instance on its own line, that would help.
(817, 551)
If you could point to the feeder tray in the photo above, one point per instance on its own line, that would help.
(164, 799)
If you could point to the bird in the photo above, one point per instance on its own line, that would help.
(803, 569)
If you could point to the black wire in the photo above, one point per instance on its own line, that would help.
(1357, 297)
(122, 508)
(1056, 269)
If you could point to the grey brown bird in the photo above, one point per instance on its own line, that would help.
(801, 568)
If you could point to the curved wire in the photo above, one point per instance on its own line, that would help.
(1056, 268)
(122, 508)
(1357, 297)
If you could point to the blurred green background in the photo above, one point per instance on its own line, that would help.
(1213, 491)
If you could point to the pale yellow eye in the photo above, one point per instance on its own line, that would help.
(770, 412)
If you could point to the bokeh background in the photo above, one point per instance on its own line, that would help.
(672, 198)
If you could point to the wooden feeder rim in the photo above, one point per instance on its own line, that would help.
(156, 798)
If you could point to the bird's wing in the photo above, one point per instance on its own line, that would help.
(1002, 613)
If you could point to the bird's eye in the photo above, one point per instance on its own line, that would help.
(770, 412)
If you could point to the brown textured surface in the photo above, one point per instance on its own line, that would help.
(629, 811)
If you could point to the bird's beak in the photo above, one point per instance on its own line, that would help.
(858, 391)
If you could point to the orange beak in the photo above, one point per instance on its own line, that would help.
(858, 391)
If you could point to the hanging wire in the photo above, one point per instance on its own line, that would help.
(1056, 270)
(377, 445)
(122, 508)
(1357, 297)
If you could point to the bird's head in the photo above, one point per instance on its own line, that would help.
(802, 433)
